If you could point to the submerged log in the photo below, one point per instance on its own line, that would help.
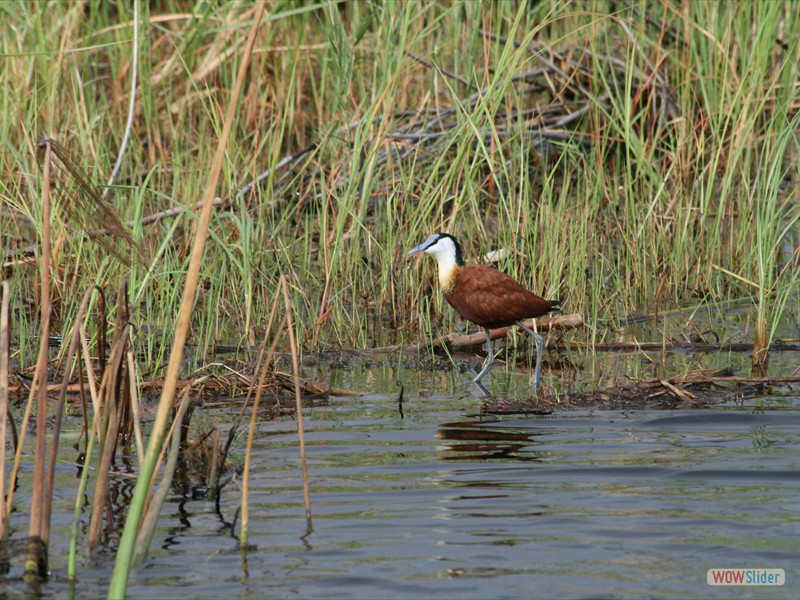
(457, 341)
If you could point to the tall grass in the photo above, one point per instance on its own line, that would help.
(673, 109)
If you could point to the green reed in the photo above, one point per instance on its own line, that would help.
(678, 113)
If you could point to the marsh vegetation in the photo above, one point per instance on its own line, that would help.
(639, 162)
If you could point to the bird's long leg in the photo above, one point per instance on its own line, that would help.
(539, 347)
(489, 359)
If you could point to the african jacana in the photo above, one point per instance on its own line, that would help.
(487, 297)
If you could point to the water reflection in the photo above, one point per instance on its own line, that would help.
(482, 440)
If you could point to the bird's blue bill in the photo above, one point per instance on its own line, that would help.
(423, 246)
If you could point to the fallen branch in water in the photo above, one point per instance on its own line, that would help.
(456, 341)
(778, 346)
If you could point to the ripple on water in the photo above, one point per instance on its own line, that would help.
(436, 505)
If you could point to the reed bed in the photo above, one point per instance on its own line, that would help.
(623, 158)
(631, 160)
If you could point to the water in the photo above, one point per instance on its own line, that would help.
(439, 504)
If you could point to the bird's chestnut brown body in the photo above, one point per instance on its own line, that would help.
(490, 298)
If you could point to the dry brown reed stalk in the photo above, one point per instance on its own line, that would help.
(36, 560)
(760, 349)
(298, 398)
(125, 434)
(84, 409)
(73, 347)
(94, 390)
(114, 408)
(215, 469)
(135, 406)
(91, 384)
(90, 437)
(254, 413)
(123, 563)
(5, 325)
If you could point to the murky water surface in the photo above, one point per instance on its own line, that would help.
(439, 504)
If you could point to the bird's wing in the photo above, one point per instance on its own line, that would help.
(487, 296)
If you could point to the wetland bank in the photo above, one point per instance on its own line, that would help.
(244, 270)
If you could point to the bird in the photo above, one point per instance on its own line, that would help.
(485, 296)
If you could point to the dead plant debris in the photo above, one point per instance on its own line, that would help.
(697, 389)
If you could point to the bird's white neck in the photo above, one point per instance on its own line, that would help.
(447, 258)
